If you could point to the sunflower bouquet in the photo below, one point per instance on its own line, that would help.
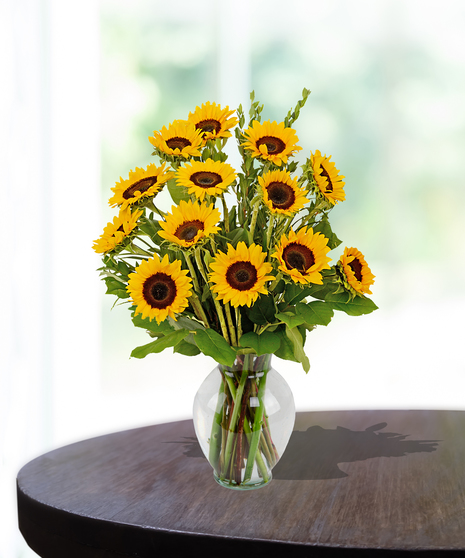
(238, 269)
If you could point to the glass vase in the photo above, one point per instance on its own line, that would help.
(243, 418)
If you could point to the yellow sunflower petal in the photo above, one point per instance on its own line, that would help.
(159, 288)
(327, 178)
(141, 185)
(302, 256)
(213, 121)
(271, 141)
(117, 231)
(181, 139)
(189, 223)
(205, 177)
(239, 276)
(281, 193)
(356, 270)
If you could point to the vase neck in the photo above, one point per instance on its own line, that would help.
(253, 363)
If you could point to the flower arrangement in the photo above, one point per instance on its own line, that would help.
(238, 269)
(228, 279)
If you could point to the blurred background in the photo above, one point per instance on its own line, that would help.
(83, 86)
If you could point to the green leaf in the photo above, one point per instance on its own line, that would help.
(170, 340)
(206, 293)
(286, 350)
(324, 228)
(207, 259)
(290, 319)
(123, 268)
(294, 293)
(238, 235)
(162, 328)
(315, 313)
(177, 193)
(116, 287)
(185, 323)
(263, 311)
(357, 307)
(319, 291)
(263, 344)
(232, 217)
(214, 345)
(296, 338)
(151, 227)
(187, 349)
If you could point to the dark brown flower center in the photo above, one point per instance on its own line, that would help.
(119, 229)
(159, 291)
(241, 276)
(282, 195)
(189, 229)
(206, 179)
(329, 186)
(297, 256)
(140, 186)
(356, 267)
(208, 126)
(178, 143)
(274, 145)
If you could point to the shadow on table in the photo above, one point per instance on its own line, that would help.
(315, 453)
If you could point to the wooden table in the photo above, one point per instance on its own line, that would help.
(353, 483)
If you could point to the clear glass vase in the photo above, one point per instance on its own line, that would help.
(243, 418)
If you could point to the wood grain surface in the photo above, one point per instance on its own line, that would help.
(353, 483)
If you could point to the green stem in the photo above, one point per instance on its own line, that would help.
(232, 330)
(256, 431)
(238, 323)
(215, 438)
(213, 245)
(272, 447)
(220, 313)
(199, 311)
(268, 234)
(258, 458)
(265, 450)
(234, 417)
(153, 207)
(248, 432)
(231, 386)
(134, 249)
(254, 218)
(192, 272)
(199, 262)
(146, 243)
(225, 215)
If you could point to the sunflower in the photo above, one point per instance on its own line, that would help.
(270, 141)
(181, 139)
(205, 177)
(114, 233)
(328, 180)
(141, 185)
(356, 271)
(213, 121)
(159, 288)
(239, 276)
(302, 256)
(189, 222)
(281, 193)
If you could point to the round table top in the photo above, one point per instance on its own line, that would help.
(350, 482)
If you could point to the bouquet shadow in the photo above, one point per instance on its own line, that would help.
(315, 454)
